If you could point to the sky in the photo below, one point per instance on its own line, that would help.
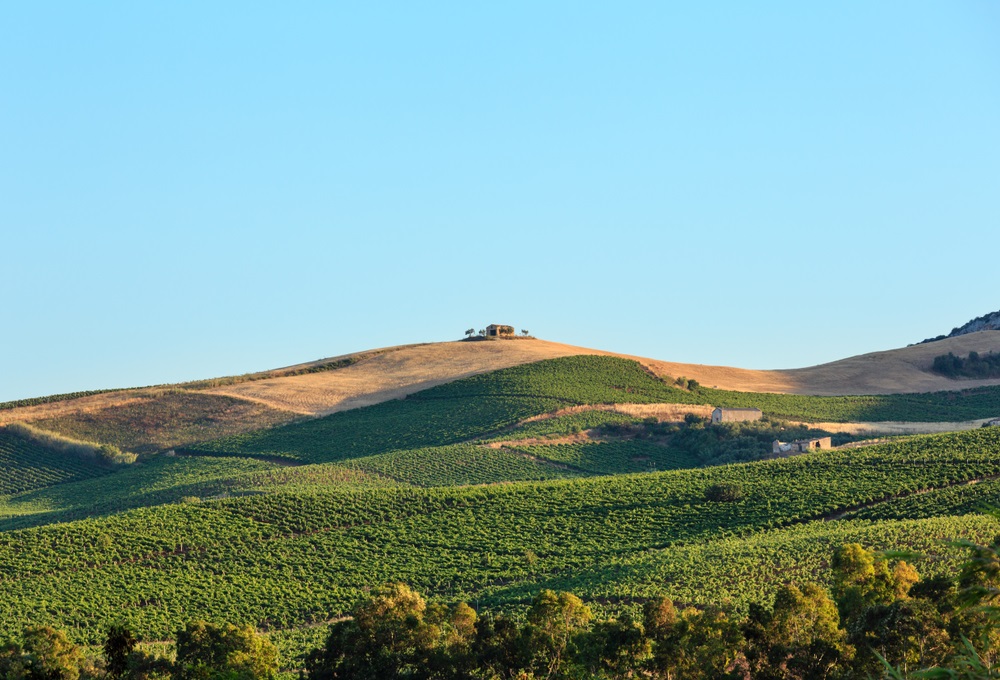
(194, 189)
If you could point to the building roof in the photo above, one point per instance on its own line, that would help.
(721, 408)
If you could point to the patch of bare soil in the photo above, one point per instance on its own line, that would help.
(664, 413)
(577, 438)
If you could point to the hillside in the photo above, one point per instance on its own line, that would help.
(565, 470)
(407, 369)
(364, 378)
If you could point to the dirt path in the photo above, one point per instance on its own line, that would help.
(896, 427)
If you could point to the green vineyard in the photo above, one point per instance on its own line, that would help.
(24, 465)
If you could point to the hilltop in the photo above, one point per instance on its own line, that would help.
(986, 322)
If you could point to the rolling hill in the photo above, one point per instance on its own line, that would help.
(481, 471)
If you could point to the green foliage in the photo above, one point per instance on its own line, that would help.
(207, 651)
(44, 653)
(281, 548)
(103, 454)
(412, 423)
(119, 645)
(614, 457)
(455, 465)
(561, 426)
(724, 493)
(163, 479)
(481, 406)
(972, 366)
(306, 556)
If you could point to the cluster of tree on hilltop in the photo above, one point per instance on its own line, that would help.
(973, 366)
(881, 619)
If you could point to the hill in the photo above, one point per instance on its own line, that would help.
(155, 419)
(581, 471)
(403, 370)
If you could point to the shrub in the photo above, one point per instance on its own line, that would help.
(724, 493)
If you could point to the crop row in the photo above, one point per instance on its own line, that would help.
(284, 559)
(25, 465)
(615, 457)
(457, 465)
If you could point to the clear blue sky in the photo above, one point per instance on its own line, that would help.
(195, 189)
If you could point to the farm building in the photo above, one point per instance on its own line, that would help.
(495, 330)
(735, 415)
(801, 445)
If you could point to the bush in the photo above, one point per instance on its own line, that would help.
(724, 493)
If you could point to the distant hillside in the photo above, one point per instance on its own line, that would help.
(987, 322)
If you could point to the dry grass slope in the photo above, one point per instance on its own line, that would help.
(160, 421)
(390, 373)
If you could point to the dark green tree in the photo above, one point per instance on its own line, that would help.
(206, 651)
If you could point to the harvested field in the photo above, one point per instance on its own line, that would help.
(168, 419)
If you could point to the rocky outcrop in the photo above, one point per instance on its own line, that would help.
(987, 322)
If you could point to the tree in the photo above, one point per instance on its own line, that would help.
(470, 332)
(524, 332)
(617, 648)
(862, 579)
(119, 644)
(49, 655)
(799, 638)
(699, 644)
(206, 651)
(392, 634)
(907, 633)
(500, 649)
(555, 622)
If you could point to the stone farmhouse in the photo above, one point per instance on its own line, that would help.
(800, 446)
(495, 330)
(735, 415)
